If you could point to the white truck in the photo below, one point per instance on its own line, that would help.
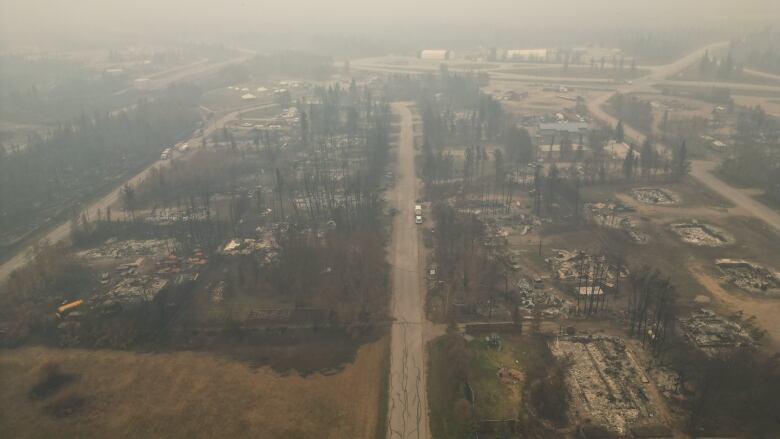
(418, 214)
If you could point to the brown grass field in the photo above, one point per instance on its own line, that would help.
(187, 395)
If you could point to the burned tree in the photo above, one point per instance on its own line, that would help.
(651, 307)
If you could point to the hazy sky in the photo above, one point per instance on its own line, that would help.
(46, 17)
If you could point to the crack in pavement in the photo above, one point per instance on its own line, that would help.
(407, 408)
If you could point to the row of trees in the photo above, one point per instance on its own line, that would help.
(327, 189)
(719, 68)
(654, 46)
(651, 307)
(53, 89)
(648, 162)
(754, 159)
(758, 50)
(77, 159)
(469, 271)
(636, 112)
(285, 64)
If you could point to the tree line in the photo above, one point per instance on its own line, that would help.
(76, 160)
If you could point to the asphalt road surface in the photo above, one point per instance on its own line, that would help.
(702, 171)
(408, 405)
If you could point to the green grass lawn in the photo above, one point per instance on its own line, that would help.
(495, 398)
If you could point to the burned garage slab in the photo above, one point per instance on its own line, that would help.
(652, 195)
(749, 276)
(703, 235)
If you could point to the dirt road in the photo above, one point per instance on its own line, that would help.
(62, 231)
(408, 405)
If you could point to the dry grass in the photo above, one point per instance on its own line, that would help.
(124, 394)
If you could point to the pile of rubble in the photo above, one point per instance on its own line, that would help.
(493, 309)
(264, 247)
(116, 249)
(750, 277)
(711, 332)
(668, 382)
(136, 289)
(171, 216)
(567, 265)
(530, 299)
(606, 383)
(701, 234)
(142, 278)
(650, 195)
(246, 246)
(608, 215)
(217, 292)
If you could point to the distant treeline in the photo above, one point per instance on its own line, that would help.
(759, 50)
(755, 158)
(46, 90)
(78, 159)
(655, 47)
(302, 65)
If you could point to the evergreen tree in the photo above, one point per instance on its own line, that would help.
(629, 163)
(566, 147)
(773, 184)
(304, 128)
(704, 64)
(682, 165)
(647, 155)
(620, 134)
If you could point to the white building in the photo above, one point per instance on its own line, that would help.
(437, 54)
(526, 54)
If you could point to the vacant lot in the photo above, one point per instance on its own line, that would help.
(497, 377)
(123, 394)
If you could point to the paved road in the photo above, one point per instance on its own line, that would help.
(408, 406)
(658, 75)
(62, 231)
(761, 74)
(202, 67)
(702, 171)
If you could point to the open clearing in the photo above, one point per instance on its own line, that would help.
(189, 395)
